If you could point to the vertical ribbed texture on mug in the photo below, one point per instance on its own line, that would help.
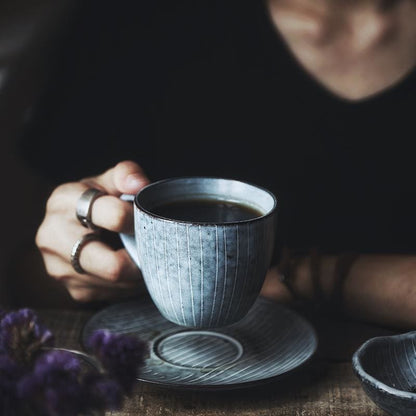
(203, 275)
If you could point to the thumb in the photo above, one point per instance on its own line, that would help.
(126, 177)
(129, 177)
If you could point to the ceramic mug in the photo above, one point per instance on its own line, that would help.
(202, 274)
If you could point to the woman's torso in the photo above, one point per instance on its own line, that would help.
(210, 89)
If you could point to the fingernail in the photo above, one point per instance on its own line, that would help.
(134, 181)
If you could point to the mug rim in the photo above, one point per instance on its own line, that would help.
(205, 223)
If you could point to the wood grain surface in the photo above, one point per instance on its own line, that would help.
(327, 386)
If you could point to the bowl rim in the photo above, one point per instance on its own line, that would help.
(371, 380)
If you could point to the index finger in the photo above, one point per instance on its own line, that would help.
(113, 214)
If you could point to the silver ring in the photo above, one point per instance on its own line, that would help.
(84, 207)
(76, 250)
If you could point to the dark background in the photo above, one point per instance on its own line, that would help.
(28, 30)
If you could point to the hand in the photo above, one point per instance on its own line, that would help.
(109, 273)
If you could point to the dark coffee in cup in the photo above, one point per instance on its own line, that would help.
(206, 211)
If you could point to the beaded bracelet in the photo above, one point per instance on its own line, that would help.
(287, 268)
(342, 268)
(315, 262)
(288, 264)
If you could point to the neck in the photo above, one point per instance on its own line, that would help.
(355, 48)
(377, 5)
(320, 18)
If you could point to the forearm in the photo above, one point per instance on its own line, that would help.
(383, 289)
(377, 288)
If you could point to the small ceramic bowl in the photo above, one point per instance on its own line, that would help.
(386, 367)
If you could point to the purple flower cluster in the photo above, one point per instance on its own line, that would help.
(22, 335)
(53, 386)
(38, 380)
(10, 374)
(119, 354)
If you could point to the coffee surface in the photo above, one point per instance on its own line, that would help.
(206, 210)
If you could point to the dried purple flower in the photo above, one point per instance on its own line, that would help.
(53, 388)
(22, 335)
(55, 382)
(10, 373)
(121, 355)
(102, 392)
(57, 361)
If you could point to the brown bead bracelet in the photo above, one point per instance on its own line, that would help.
(343, 267)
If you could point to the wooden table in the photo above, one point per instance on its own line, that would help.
(327, 386)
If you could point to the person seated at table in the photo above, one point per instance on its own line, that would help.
(313, 100)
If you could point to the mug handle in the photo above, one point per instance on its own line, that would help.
(128, 240)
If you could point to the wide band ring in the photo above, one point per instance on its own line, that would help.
(77, 248)
(84, 207)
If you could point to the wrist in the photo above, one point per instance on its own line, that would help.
(312, 288)
(303, 279)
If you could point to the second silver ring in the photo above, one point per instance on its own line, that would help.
(76, 250)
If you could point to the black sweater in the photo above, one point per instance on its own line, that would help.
(209, 88)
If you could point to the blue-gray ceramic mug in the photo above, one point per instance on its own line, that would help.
(202, 272)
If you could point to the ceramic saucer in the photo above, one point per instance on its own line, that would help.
(269, 342)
